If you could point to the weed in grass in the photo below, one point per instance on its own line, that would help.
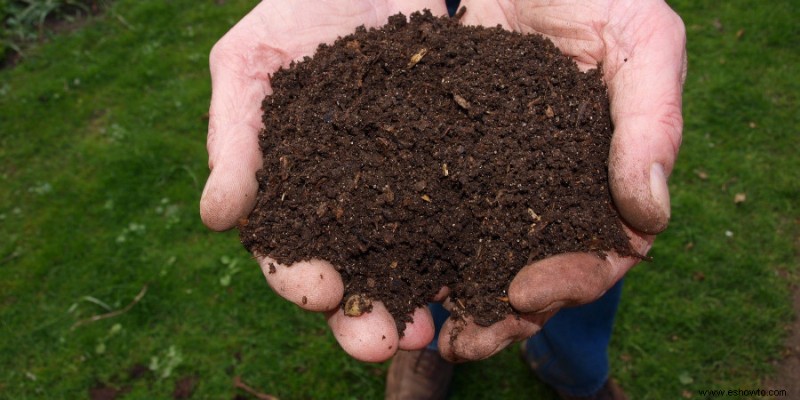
(23, 21)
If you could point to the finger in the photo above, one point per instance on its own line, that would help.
(370, 337)
(313, 285)
(229, 193)
(461, 340)
(565, 280)
(645, 92)
(419, 332)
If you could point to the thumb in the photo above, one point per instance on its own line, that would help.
(230, 191)
(234, 158)
(233, 126)
(645, 93)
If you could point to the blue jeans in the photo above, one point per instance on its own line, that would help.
(571, 350)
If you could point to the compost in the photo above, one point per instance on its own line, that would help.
(425, 154)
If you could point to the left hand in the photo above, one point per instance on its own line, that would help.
(641, 45)
(272, 35)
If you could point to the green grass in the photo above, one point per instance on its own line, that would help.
(102, 159)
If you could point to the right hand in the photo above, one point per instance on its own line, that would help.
(273, 34)
(641, 45)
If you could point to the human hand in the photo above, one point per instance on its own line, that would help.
(272, 35)
(641, 45)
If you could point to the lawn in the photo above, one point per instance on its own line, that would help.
(102, 161)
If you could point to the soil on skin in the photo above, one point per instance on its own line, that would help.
(427, 154)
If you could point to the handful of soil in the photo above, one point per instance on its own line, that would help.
(427, 154)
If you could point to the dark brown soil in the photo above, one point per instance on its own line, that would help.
(426, 154)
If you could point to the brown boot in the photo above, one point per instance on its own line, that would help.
(418, 375)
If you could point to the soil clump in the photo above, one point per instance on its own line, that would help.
(425, 154)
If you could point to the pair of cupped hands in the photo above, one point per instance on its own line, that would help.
(641, 45)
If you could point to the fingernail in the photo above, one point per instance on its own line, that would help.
(659, 191)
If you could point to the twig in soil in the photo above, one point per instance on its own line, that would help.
(462, 102)
(239, 384)
(112, 314)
